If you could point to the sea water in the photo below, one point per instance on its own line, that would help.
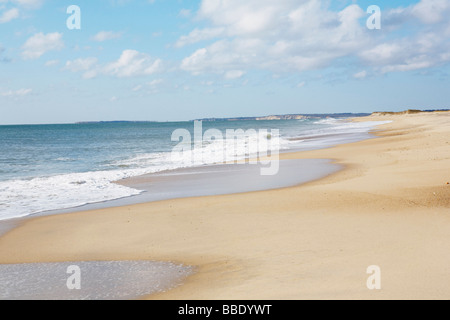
(60, 166)
(99, 280)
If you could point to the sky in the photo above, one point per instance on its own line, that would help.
(176, 60)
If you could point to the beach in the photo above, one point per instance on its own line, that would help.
(389, 206)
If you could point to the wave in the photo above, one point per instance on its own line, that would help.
(23, 197)
(19, 198)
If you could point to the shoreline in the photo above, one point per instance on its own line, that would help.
(273, 250)
(332, 139)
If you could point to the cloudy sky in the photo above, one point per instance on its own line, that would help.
(179, 60)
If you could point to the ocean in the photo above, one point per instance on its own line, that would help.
(60, 166)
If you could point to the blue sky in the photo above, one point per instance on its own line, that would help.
(170, 60)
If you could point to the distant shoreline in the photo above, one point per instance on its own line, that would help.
(295, 116)
(257, 118)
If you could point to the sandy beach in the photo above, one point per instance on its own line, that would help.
(389, 206)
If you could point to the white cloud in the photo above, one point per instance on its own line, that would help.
(133, 63)
(87, 65)
(428, 12)
(106, 35)
(282, 35)
(245, 17)
(155, 82)
(9, 15)
(17, 93)
(360, 75)
(151, 87)
(51, 63)
(431, 11)
(81, 64)
(223, 56)
(234, 74)
(40, 43)
(154, 86)
(301, 35)
(408, 65)
(425, 50)
(198, 35)
(383, 53)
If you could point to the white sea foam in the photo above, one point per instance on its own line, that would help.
(336, 126)
(19, 198)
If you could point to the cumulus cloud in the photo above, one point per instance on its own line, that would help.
(245, 17)
(9, 15)
(427, 12)
(86, 65)
(225, 55)
(425, 50)
(10, 9)
(276, 35)
(106, 35)
(131, 63)
(301, 35)
(431, 11)
(40, 43)
(80, 64)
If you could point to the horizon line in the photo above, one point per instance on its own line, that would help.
(222, 118)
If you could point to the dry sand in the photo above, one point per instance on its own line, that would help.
(389, 207)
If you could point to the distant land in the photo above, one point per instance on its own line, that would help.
(290, 117)
(115, 121)
(283, 117)
(410, 111)
(317, 115)
(261, 118)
